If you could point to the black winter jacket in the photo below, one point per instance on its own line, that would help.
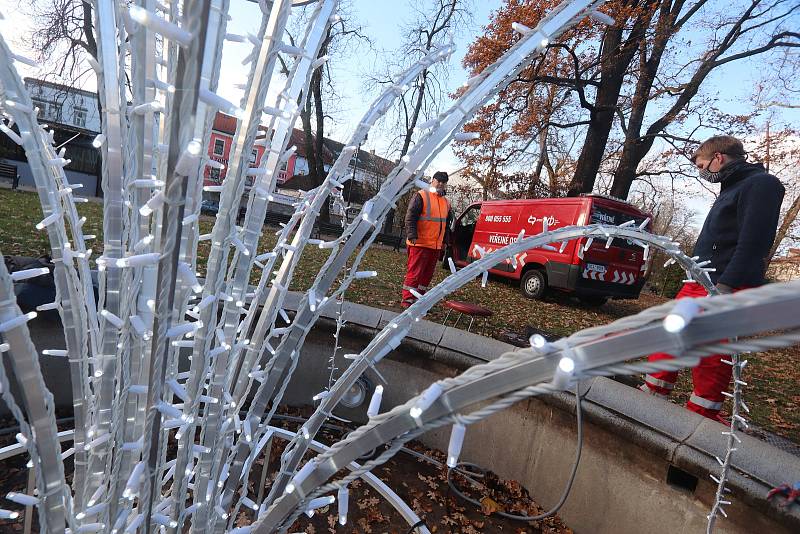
(740, 228)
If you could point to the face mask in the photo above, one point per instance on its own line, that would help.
(707, 175)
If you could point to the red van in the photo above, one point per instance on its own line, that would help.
(593, 275)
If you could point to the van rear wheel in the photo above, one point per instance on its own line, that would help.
(533, 284)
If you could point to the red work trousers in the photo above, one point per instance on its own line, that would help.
(709, 378)
(419, 272)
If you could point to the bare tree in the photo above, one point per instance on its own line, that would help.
(341, 34)
(433, 27)
(752, 30)
(64, 30)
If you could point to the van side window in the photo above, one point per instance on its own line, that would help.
(470, 217)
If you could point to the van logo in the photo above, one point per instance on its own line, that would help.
(599, 216)
(551, 221)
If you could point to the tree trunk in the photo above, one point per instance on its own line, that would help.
(783, 229)
(633, 149)
(612, 71)
(318, 176)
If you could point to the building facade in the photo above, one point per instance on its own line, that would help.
(74, 116)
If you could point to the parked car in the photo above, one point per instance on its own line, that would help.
(593, 275)
(209, 207)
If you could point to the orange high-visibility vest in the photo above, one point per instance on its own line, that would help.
(432, 221)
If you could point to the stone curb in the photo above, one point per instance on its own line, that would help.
(682, 438)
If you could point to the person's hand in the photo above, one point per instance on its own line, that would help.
(724, 289)
(413, 241)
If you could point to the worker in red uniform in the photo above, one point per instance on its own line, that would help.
(737, 236)
(427, 230)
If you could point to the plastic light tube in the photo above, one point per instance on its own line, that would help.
(250, 503)
(182, 329)
(456, 441)
(681, 315)
(21, 498)
(425, 400)
(8, 514)
(300, 476)
(601, 17)
(538, 342)
(153, 204)
(113, 319)
(19, 105)
(241, 247)
(288, 154)
(157, 24)
(520, 28)
(55, 352)
(47, 221)
(29, 273)
(375, 401)
(422, 184)
(563, 374)
(139, 260)
(189, 277)
(319, 502)
(98, 441)
(20, 320)
(169, 410)
(178, 389)
(366, 274)
(11, 134)
(467, 136)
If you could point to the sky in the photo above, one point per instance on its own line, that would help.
(382, 21)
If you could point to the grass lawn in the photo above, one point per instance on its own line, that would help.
(773, 394)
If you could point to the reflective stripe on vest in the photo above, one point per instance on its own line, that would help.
(432, 223)
(705, 403)
(659, 383)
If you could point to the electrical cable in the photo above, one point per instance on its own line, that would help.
(420, 523)
(567, 489)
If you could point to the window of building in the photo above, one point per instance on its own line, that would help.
(54, 111)
(41, 104)
(253, 156)
(213, 174)
(79, 116)
(219, 147)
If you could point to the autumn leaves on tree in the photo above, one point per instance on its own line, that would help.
(604, 97)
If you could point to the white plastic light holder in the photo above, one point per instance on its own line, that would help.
(456, 441)
(375, 402)
(681, 315)
(564, 373)
(425, 400)
(343, 497)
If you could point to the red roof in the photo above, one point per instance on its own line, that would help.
(330, 149)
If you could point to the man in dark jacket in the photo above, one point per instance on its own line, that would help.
(427, 229)
(736, 237)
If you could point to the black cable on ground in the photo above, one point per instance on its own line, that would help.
(420, 523)
(567, 489)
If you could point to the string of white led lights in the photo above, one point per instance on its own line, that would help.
(129, 392)
(560, 363)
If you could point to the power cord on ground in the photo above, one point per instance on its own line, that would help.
(567, 489)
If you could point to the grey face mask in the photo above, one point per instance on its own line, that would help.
(708, 176)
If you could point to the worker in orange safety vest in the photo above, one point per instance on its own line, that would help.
(428, 230)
